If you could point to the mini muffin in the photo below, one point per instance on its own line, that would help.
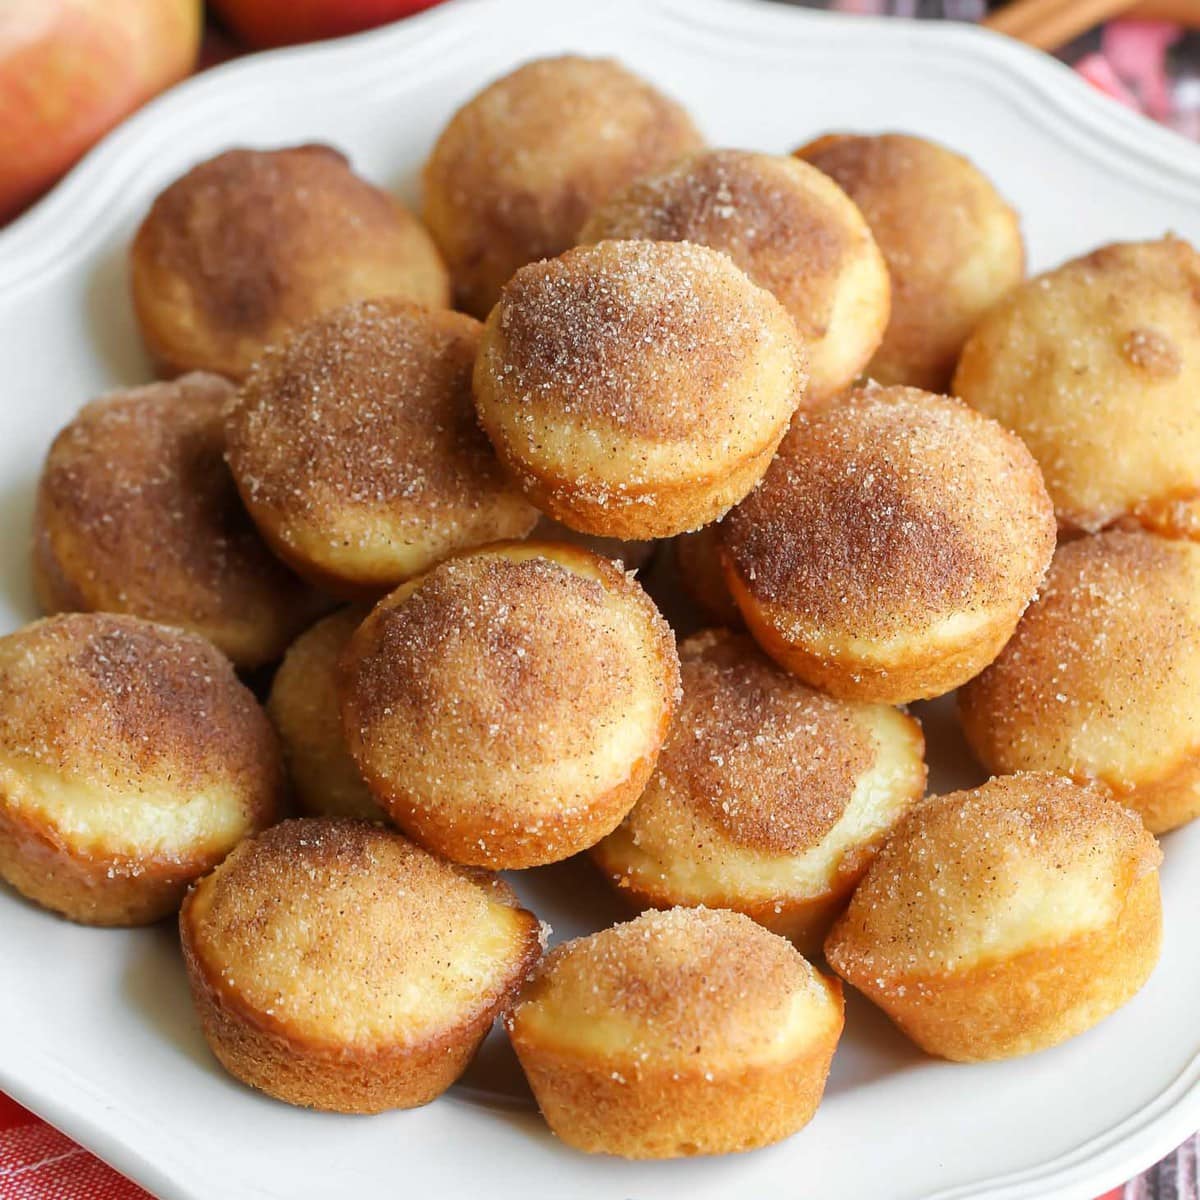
(1096, 365)
(790, 228)
(1004, 920)
(696, 559)
(769, 798)
(131, 762)
(306, 710)
(137, 513)
(952, 244)
(335, 965)
(692, 1031)
(507, 708)
(515, 174)
(252, 243)
(356, 449)
(892, 547)
(637, 389)
(1100, 679)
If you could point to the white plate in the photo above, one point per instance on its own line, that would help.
(96, 1029)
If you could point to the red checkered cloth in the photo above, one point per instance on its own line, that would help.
(39, 1163)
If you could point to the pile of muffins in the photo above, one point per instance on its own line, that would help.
(816, 395)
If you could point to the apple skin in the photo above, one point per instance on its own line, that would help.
(262, 23)
(71, 69)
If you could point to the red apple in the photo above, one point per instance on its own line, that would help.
(283, 22)
(71, 69)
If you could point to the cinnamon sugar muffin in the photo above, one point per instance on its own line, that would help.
(305, 709)
(768, 798)
(336, 965)
(520, 166)
(356, 450)
(952, 245)
(1003, 920)
(137, 513)
(131, 762)
(637, 389)
(1101, 677)
(790, 228)
(507, 708)
(1096, 366)
(892, 547)
(692, 1031)
(252, 243)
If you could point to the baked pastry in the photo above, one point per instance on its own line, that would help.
(691, 1031)
(637, 389)
(790, 228)
(1100, 679)
(952, 244)
(356, 449)
(1003, 920)
(137, 513)
(1102, 353)
(696, 559)
(520, 166)
(131, 762)
(892, 547)
(769, 798)
(507, 708)
(335, 965)
(305, 708)
(251, 243)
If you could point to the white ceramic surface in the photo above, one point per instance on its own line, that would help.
(96, 1029)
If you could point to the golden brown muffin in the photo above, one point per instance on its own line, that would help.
(250, 244)
(769, 798)
(952, 244)
(696, 560)
(637, 389)
(790, 228)
(356, 449)
(520, 166)
(137, 513)
(507, 708)
(131, 762)
(1004, 920)
(892, 547)
(691, 1031)
(335, 965)
(1100, 679)
(1096, 365)
(306, 710)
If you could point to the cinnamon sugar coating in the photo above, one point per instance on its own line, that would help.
(1002, 920)
(1102, 353)
(131, 761)
(769, 797)
(252, 243)
(137, 513)
(637, 389)
(355, 447)
(507, 708)
(892, 546)
(336, 965)
(1099, 678)
(789, 227)
(521, 165)
(952, 245)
